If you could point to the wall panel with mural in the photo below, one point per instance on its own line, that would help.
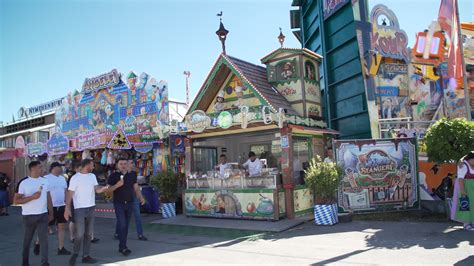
(378, 174)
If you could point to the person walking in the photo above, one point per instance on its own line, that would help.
(136, 206)
(82, 189)
(4, 199)
(58, 188)
(123, 184)
(74, 168)
(35, 199)
(464, 193)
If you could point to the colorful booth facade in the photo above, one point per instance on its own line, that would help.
(106, 104)
(112, 114)
(273, 111)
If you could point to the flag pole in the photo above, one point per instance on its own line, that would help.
(467, 99)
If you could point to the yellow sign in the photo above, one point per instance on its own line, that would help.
(119, 141)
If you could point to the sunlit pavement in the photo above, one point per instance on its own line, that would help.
(368, 243)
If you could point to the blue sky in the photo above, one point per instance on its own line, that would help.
(48, 48)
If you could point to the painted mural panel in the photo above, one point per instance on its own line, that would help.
(433, 178)
(281, 203)
(392, 91)
(283, 70)
(313, 91)
(139, 106)
(303, 200)
(230, 203)
(291, 90)
(233, 95)
(425, 91)
(378, 174)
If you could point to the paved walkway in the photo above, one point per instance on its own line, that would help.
(251, 225)
(359, 242)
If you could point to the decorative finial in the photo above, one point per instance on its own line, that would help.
(281, 38)
(222, 32)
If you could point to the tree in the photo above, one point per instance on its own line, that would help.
(449, 139)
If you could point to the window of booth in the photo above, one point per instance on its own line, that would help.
(204, 159)
(302, 154)
(266, 146)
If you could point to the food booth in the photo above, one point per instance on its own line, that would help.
(272, 111)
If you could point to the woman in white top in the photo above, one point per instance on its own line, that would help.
(464, 188)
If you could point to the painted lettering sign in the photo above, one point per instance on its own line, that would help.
(35, 149)
(57, 144)
(390, 71)
(331, 6)
(197, 121)
(387, 37)
(86, 141)
(106, 80)
(378, 174)
(386, 91)
(30, 111)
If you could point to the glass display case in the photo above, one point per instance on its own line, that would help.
(232, 179)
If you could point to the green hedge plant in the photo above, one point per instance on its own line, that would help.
(448, 140)
(323, 179)
(167, 183)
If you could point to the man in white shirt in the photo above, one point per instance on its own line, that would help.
(57, 187)
(34, 197)
(82, 189)
(223, 165)
(253, 164)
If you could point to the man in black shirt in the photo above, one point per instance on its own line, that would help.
(123, 184)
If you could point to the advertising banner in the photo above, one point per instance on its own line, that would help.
(378, 174)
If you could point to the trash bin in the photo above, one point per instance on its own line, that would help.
(152, 196)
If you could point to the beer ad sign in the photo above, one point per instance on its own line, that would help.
(378, 174)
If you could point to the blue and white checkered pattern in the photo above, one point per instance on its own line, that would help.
(325, 214)
(168, 210)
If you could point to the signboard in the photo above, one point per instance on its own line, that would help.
(138, 105)
(284, 141)
(224, 119)
(88, 141)
(57, 144)
(387, 37)
(25, 112)
(35, 149)
(331, 6)
(177, 144)
(119, 141)
(20, 146)
(390, 71)
(143, 148)
(197, 121)
(106, 80)
(378, 174)
(386, 91)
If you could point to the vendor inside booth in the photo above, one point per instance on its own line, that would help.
(252, 131)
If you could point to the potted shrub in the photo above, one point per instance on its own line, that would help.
(323, 179)
(167, 183)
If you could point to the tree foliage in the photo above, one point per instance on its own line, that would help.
(449, 139)
(323, 178)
